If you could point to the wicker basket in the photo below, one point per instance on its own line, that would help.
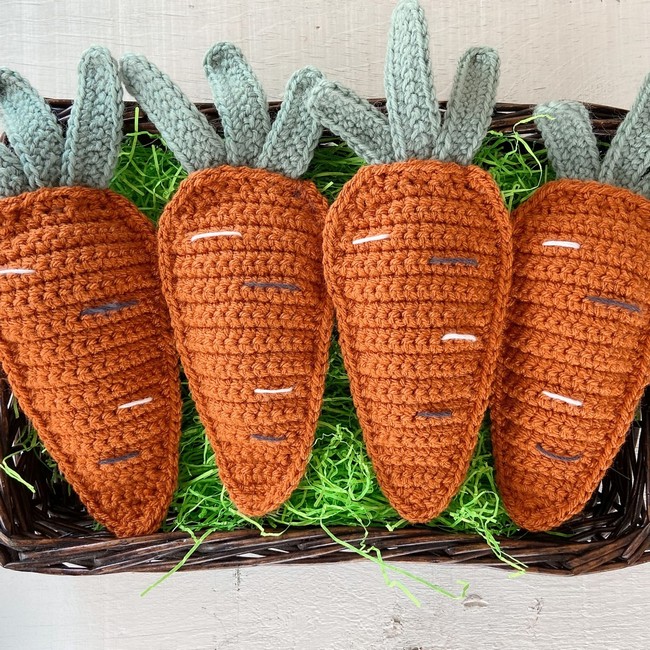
(50, 532)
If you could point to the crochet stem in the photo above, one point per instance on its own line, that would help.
(566, 129)
(32, 129)
(289, 147)
(628, 158)
(410, 95)
(95, 129)
(470, 106)
(186, 131)
(360, 124)
(12, 177)
(241, 103)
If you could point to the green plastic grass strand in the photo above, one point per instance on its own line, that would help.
(339, 487)
(12, 473)
(197, 542)
(373, 554)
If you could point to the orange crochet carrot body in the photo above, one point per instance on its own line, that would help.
(240, 257)
(417, 260)
(576, 356)
(85, 337)
(578, 336)
(86, 344)
(241, 263)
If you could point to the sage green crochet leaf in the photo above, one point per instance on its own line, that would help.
(95, 127)
(41, 157)
(568, 134)
(341, 111)
(241, 103)
(249, 138)
(469, 109)
(13, 180)
(627, 161)
(186, 131)
(290, 144)
(569, 138)
(410, 95)
(413, 126)
(32, 129)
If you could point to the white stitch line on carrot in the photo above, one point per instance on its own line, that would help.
(216, 233)
(561, 244)
(562, 398)
(16, 271)
(138, 402)
(455, 336)
(273, 391)
(365, 240)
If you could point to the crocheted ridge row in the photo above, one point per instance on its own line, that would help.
(86, 342)
(577, 346)
(240, 257)
(417, 260)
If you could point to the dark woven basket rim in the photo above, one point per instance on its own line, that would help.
(51, 533)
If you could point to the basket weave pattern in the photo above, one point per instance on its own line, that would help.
(50, 532)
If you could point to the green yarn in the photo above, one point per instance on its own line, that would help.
(294, 134)
(470, 106)
(33, 131)
(627, 160)
(186, 131)
(240, 101)
(355, 120)
(413, 112)
(569, 138)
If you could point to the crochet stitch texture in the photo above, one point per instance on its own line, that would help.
(85, 336)
(419, 316)
(417, 258)
(576, 353)
(253, 321)
(241, 263)
(578, 327)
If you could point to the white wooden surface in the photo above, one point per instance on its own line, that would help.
(596, 50)
(335, 607)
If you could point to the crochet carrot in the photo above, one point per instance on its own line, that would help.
(577, 346)
(417, 260)
(240, 258)
(85, 337)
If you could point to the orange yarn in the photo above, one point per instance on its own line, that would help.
(408, 305)
(240, 258)
(579, 328)
(84, 333)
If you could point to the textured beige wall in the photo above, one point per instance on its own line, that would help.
(596, 50)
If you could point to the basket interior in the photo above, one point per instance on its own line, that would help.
(50, 531)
